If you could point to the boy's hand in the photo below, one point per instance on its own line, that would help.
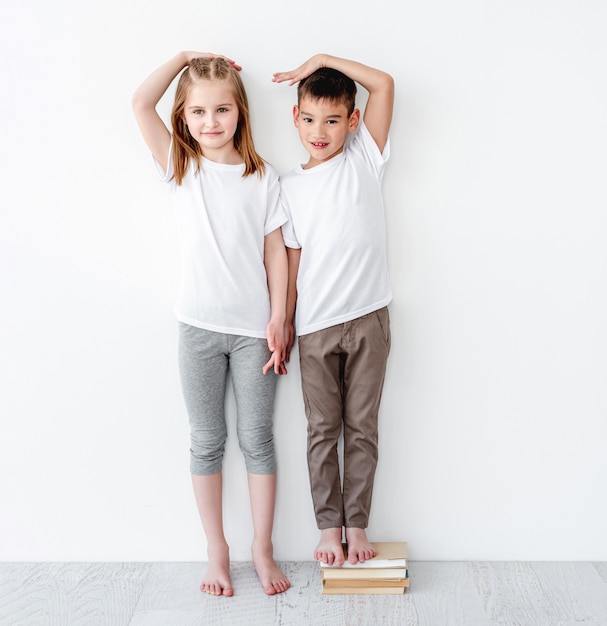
(303, 71)
(289, 340)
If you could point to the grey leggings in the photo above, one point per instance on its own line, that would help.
(205, 357)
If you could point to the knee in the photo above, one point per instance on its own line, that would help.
(258, 450)
(206, 452)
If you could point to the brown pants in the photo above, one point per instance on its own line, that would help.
(342, 376)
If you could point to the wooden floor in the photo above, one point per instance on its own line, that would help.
(166, 594)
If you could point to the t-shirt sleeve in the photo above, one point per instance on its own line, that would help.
(288, 234)
(165, 177)
(288, 231)
(275, 213)
(364, 144)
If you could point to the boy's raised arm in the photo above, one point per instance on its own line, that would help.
(380, 85)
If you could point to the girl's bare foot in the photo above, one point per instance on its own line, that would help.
(330, 549)
(216, 580)
(359, 547)
(270, 575)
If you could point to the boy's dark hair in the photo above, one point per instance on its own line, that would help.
(328, 84)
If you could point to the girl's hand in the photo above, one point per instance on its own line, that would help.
(276, 344)
(301, 72)
(189, 55)
(275, 362)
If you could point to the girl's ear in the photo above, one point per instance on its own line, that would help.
(354, 120)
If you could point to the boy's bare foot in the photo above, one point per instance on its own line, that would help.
(330, 549)
(270, 575)
(359, 547)
(216, 580)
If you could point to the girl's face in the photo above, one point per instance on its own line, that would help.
(211, 115)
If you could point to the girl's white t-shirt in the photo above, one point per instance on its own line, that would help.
(336, 217)
(222, 219)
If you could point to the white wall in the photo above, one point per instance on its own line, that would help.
(494, 418)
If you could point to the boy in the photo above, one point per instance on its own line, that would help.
(339, 276)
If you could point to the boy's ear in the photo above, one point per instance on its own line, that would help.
(295, 114)
(354, 120)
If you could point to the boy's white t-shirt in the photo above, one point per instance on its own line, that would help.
(222, 219)
(336, 217)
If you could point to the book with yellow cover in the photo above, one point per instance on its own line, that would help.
(363, 590)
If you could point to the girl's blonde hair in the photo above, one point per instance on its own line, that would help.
(185, 147)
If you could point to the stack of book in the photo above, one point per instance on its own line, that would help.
(386, 572)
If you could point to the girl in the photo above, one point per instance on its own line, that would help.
(231, 303)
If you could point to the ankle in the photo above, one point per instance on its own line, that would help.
(262, 544)
(217, 549)
(334, 534)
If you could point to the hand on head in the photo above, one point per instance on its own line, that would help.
(301, 72)
(210, 55)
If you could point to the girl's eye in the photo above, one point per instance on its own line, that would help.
(222, 110)
(197, 111)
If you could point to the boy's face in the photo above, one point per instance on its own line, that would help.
(323, 128)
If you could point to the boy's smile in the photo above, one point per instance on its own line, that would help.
(323, 128)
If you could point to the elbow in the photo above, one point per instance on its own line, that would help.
(389, 83)
(138, 102)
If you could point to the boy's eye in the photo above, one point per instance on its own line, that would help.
(331, 121)
(307, 120)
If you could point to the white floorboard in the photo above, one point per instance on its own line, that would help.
(166, 594)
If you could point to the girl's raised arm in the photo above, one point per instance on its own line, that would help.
(155, 132)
